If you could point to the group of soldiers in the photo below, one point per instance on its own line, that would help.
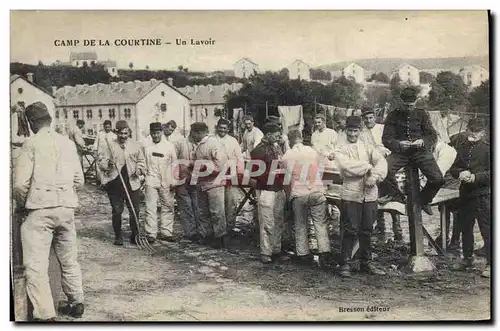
(188, 170)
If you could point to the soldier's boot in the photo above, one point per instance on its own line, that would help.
(368, 268)
(463, 265)
(345, 270)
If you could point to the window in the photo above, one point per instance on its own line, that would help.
(99, 112)
(92, 63)
(65, 113)
(77, 63)
(90, 132)
(89, 113)
(111, 113)
(76, 114)
(127, 112)
(162, 93)
(57, 113)
(163, 107)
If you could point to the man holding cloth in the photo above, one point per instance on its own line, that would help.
(361, 167)
(160, 157)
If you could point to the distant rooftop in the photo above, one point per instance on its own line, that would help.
(209, 94)
(80, 56)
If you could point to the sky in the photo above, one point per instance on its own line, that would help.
(273, 39)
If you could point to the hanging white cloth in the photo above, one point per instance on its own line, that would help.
(238, 115)
(292, 117)
(440, 124)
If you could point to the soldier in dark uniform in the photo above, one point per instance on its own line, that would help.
(409, 135)
(472, 168)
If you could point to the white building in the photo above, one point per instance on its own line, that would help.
(354, 71)
(299, 70)
(474, 75)
(110, 67)
(137, 102)
(407, 73)
(206, 99)
(24, 91)
(245, 67)
(83, 59)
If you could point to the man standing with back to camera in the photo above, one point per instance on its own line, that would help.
(45, 177)
(409, 135)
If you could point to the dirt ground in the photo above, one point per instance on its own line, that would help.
(188, 282)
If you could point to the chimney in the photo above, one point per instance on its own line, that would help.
(170, 81)
(30, 77)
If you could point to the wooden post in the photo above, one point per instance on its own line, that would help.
(418, 261)
(314, 107)
(17, 269)
(267, 112)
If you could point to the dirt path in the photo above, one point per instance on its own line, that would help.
(188, 282)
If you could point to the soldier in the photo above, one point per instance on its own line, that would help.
(361, 168)
(210, 193)
(251, 137)
(160, 156)
(76, 135)
(472, 167)
(307, 196)
(170, 132)
(231, 152)
(372, 134)
(270, 196)
(127, 156)
(409, 134)
(323, 139)
(283, 142)
(100, 142)
(187, 196)
(45, 178)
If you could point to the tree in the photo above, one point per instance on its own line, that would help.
(147, 67)
(379, 77)
(186, 69)
(425, 77)
(40, 63)
(319, 74)
(448, 91)
(180, 67)
(131, 65)
(479, 98)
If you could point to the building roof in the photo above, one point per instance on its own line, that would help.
(209, 94)
(82, 56)
(300, 61)
(108, 63)
(246, 59)
(472, 68)
(15, 77)
(402, 65)
(107, 94)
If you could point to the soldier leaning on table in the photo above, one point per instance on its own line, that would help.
(472, 167)
(46, 174)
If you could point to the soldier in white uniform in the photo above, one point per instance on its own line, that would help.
(323, 139)
(232, 152)
(251, 137)
(45, 177)
(160, 155)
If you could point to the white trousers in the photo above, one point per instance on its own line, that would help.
(165, 198)
(37, 232)
(271, 211)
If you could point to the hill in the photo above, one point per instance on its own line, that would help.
(388, 64)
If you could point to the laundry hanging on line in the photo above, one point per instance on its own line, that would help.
(292, 118)
(238, 114)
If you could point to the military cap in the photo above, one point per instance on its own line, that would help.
(475, 125)
(273, 118)
(271, 128)
(155, 126)
(320, 115)
(107, 122)
(199, 127)
(409, 94)
(223, 121)
(120, 125)
(365, 110)
(353, 122)
(294, 135)
(36, 111)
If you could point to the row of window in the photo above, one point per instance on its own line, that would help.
(127, 112)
